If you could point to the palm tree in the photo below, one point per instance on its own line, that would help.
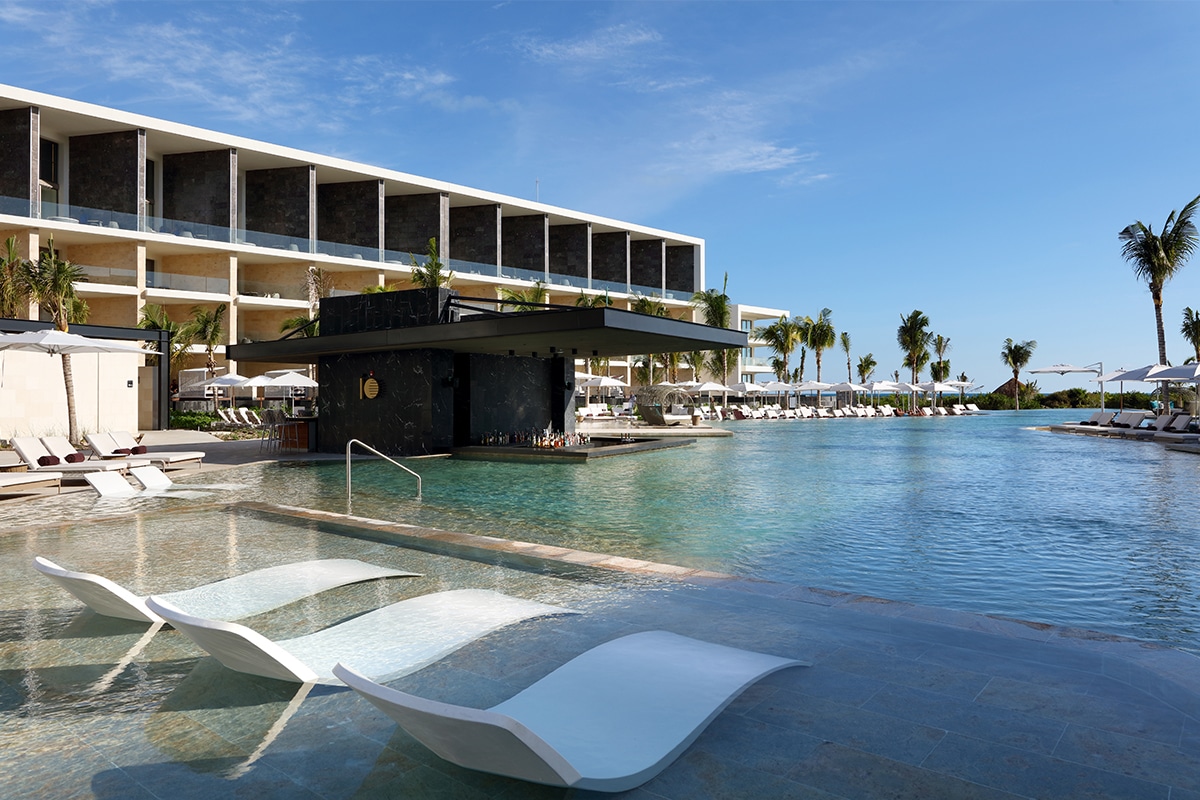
(429, 275)
(155, 318)
(530, 299)
(866, 367)
(717, 312)
(593, 300)
(50, 282)
(1191, 329)
(1157, 257)
(695, 360)
(14, 292)
(651, 308)
(1016, 355)
(821, 336)
(940, 370)
(845, 342)
(207, 328)
(914, 340)
(782, 336)
(292, 323)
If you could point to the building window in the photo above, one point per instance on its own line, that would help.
(48, 177)
(149, 188)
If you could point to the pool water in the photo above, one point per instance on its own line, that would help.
(981, 514)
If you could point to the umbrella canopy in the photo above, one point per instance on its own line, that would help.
(884, 386)
(809, 386)
(746, 388)
(1185, 373)
(294, 380)
(777, 386)
(56, 342)
(1110, 376)
(257, 380)
(232, 379)
(1146, 374)
(939, 386)
(605, 382)
(708, 387)
(580, 377)
(687, 385)
(846, 386)
(1062, 369)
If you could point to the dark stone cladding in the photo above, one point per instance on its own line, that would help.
(348, 213)
(610, 256)
(523, 242)
(569, 249)
(277, 201)
(681, 268)
(105, 171)
(196, 187)
(410, 221)
(646, 263)
(16, 137)
(413, 414)
(474, 233)
(358, 313)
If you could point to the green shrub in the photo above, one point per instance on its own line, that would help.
(192, 420)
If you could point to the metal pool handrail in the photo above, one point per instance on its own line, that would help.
(366, 446)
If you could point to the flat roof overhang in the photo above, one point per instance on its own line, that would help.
(576, 333)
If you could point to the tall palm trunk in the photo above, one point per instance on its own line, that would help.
(69, 384)
(1156, 296)
(1017, 389)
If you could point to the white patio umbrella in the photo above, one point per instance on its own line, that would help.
(847, 386)
(601, 382)
(1110, 377)
(813, 386)
(55, 342)
(934, 387)
(1063, 369)
(293, 380)
(746, 388)
(229, 379)
(1146, 374)
(779, 388)
(1184, 373)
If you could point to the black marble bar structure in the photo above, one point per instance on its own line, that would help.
(358, 313)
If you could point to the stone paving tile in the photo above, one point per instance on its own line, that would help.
(856, 775)
(917, 674)
(884, 735)
(1161, 724)
(754, 744)
(1033, 775)
(1012, 728)
(699, 775)
(824, 680)
(1067, 679)
(1137, 758)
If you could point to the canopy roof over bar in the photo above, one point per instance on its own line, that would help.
(566, 332)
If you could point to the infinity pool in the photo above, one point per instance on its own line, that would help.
(981, 514)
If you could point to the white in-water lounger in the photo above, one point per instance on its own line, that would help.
(233, 598)
(608, 720)
(386, 643)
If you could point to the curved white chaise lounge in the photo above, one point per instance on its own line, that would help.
(240, 596)
(608, 720)
(386, 643)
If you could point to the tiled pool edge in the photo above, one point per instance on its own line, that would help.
(1163, 672)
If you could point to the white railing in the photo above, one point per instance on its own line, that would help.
(366, 446)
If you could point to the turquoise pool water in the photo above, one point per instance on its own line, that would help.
(981, 514)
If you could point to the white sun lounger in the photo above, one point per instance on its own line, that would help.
(30, 449)
(387, 643)
(22, 482)
(608, 720)
(156, 481)
(233, 598)
(164, 459)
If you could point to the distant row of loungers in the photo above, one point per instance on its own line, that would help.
(820, 412)
(1173, 427)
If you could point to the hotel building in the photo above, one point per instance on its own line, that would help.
(160, 213)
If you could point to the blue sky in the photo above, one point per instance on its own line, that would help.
(972, 160)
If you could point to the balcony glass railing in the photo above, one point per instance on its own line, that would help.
(111, 275)
(61, 212)
(186, 283)
(755, 361)
(16, 206)
(347, 250)
(516, 273)
(276, 241)
(610, 286)
(275, 290)
(646, 291)
(188, 230)
(678, 294)
(402, 257)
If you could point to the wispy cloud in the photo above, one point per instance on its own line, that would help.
(604, 45)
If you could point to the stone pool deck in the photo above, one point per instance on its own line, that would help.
(901, 700)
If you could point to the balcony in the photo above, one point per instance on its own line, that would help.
(113, 276)
(187, 283)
